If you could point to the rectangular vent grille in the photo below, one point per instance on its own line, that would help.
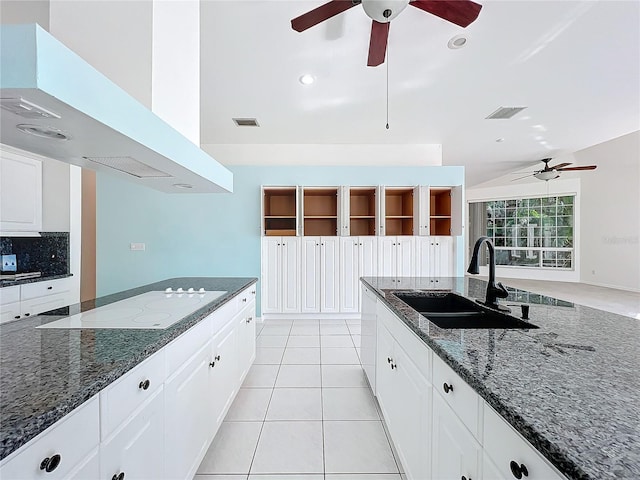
(246, 122)
(129, 165)
(504, 113)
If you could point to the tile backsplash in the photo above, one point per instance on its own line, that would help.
(48, 253)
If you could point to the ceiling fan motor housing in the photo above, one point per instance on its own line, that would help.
(379, 10)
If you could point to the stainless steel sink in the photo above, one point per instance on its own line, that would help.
(454, 311)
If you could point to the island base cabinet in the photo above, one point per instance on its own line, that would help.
(188, 415)
(456, 454)
(509, 452)
(405, 399)
(246, 324)
(223, 376)
(62, 450)
(133, 448)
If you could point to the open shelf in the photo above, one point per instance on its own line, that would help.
(320, 207)
(440, 211)
(398, 211)
(280, 211)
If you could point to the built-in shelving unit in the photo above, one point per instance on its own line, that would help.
(398, 215)
(320, 211)
(280, 212)
(362, 211)
(440, 211)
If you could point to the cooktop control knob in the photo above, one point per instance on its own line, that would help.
(180, 290)
(168, 290)
(190, 290)
(201, 290)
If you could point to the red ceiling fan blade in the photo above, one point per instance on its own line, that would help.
(560, 165)
(587, 167)
(322, 13)
(460, 12)
(378, 43)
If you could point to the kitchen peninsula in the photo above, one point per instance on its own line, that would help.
(569, 387)
(104, 398)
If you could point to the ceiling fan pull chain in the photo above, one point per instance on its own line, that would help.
(387, 88)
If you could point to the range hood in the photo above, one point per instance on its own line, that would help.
(57, 105)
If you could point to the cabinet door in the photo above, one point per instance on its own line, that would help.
(329, 275)
(224, 374)
(349, 292)
(271, 274)
(368, 339)
(442, 254)
(310, 284)
(387, 256)
(133, 449)
(455, 452)
(344, 208)
(290, 275)
(10, 311)
(246, 325)
(457, 214)
(20, 193)
(367, 261)
(423, 257)
(422, 209)
(385, 380)
(187, 409)
(405, 257)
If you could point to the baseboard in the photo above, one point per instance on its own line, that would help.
(614, 287)
(310, 316)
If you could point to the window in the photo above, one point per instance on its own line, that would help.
(527, 232)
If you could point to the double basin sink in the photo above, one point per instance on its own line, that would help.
(449, 310)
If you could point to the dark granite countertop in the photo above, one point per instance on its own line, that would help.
(46, 373)
(570, 387)
(44, 278)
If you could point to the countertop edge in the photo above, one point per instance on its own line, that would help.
(546, 448)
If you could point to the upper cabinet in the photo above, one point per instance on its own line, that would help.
(20, 193)
(363, 211)
(280, 211)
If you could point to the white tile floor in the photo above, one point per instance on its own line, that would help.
(304, 412)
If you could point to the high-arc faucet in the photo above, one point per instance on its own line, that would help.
(494, 291)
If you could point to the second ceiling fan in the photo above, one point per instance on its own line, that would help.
(460, 12)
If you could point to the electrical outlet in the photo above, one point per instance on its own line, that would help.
(137, 246)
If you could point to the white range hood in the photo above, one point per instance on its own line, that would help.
(57, 105)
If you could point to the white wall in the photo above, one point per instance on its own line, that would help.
(611, 213)
(503, 189)
(25, 11)
(55, 196)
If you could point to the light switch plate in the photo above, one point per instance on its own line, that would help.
(137, 246)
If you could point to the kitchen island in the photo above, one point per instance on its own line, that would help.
(569, 387)
(48, 373)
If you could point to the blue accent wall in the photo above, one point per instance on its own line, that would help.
(214, 234)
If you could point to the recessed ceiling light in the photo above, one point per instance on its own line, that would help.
(500, 140)
(457, 41)
(182, 185)
(307, 79)
(43, 131)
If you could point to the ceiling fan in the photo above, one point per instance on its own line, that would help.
(551, 172)
(460, 12)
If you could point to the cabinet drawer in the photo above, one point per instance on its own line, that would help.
(183, 347)
(415, 348)
(35, 306)
(504, 445)
(70, 440)
(120, 399)
(462, 399)
(221, 317)
(40, 289)
(9, 311)
(9, 294)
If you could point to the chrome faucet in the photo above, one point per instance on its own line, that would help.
(494, 291)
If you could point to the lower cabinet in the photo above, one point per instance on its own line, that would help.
(31, 299)
(223, 383)
(456, 454)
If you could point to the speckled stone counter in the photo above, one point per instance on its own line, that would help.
(45, 278)
(570, 387)
(46, 373)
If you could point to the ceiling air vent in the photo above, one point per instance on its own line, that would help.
(129, 165)
(246, 122)
(504, 113)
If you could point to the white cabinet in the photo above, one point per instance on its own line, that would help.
(368, 337)
(358, 258)
(281, 274)
(34, 298)
(20, 193)
(59, 451)
(246, 325)
(508, 454)
(223, 375)
(456, 454)
(320, 281)
(396, 256)
(405, 399)
(434, 258)
(133, 448)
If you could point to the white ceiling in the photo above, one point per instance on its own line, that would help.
(575, 65)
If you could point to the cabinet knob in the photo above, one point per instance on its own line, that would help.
(465, 478)
(447, 388)
(244, 299)
(393, 365)
(518, 470)
(212, 364)
(249, 319)
(389, 360)
(49, 464)
(217, 358)
(144, 385)
(27, 314)
(253, 292)
(17, 317)
(49, 288)
(117, 476)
